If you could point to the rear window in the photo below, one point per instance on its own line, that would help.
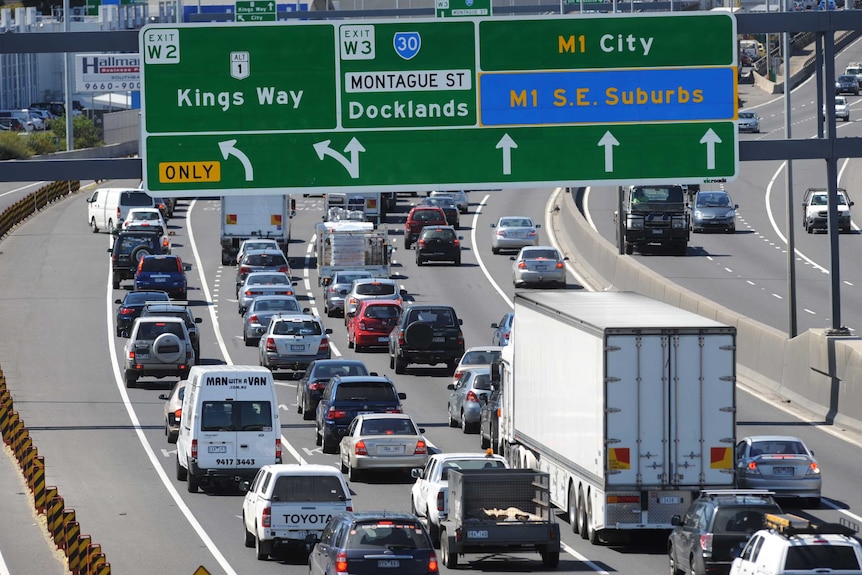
(328, 371)
(236, 416)
(308, 488)
(160, 265)
(142, 297)
(301, 328)
(730, 520)
(135, 199)
(382, 311)
(273, 279)
(387, 534)
(144, 216)
(482, 381)
(437, 316)
(265, 260)
(478, 357)
(470, 464)
(349, 278)
(365, 391)
(399, 426)
(127, 242)
(540, 254)
(180, 314)
(442, 233)
(809, 557)
(426, 215)
(375, 289)
(153, 329)
(276, 305)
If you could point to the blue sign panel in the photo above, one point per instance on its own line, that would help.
(635, 95)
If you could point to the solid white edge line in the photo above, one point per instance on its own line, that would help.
(136, 424)
(479, 256)
(22, 188)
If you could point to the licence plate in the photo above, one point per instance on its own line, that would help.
(297, 347)
(216, 448)
(390, 449)
(140, 355)
(383, 338)
(438, 339)
(541, 268)
(782, 471)
(668, 500)
(388, 563)
(657, 232)
(161, 280)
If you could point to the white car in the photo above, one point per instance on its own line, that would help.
(514, 233)
(459, 196)
(148, 219)
(842, 109)
(429, 497)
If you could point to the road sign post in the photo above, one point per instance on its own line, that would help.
(417, 104)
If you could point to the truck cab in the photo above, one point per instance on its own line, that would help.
(656, 214)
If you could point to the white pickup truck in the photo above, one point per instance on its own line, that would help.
(815, 207)
(287, 502)
(429, 497)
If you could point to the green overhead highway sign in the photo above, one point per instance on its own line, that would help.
(415, 104)
(462, 8)
(255, 11)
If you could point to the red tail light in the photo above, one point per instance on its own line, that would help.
(126, 311)
(266, 517)
(396, 410)
(506, 335)
(439, 501)
(421, 242)
(165, 244)
(131, 354)
(341, 562)
(471, 396)
(460, 338)
(336, 413)
(253, 319)
(532, 233)
(522, 265)
(457, 242)
(360, 449)
(316, 386)
(278, 450)
(244, 270)
(706, 541)
(248, 293)
(179, 263)
(194, 449)
(178, 414)
(324, 345)
(432, 564)
(458, 375)
(119, 219)
(270, 344)
(559, 265)
(400, 338)
(421, 448)
(284, 270)
(362, 326)
(140, 265)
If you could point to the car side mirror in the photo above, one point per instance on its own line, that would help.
(293, 283)
(163, 396)
(110, 250)
(328, 330)
(735, 206)
(119, 301)
(187, 267)
(676, 520)
(243, 486)
(513, 258)
(493, 225)
(417, 473)
(460, 321)
(538, 226)
(460, 237)
(421, 430)
(495, 326)
(306, 310)
(565, 258)
(450, 386)
(402, 395)
(199, 320)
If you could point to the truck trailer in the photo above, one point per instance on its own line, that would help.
(247, 217)
(628, 403)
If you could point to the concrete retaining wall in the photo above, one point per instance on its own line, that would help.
(823, 373)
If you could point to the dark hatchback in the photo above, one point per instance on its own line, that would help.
(131, 307)
(315, 378)
(344, 398)
(438, 243)
(715, 529)
(373, 542)
(426, 334)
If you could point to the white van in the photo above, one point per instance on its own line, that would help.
(229, 425)
(107, 207)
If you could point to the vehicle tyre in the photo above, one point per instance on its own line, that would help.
(350, 344)
(484, 442)
(419, 261)
(130, 379)
(452, 421)
(400, 365)
(458, 261)
(592, 534)
(353, 474)
(168, 348)
(731, 229)
(809, 229)
(110, 228)
(573, 510)
(674, 570)
(629, 248)
(115, 282)
(225, 259)
(358, 348)
(262, 548)
(465, 427)
(495, 251)
(193, 484)
(550, 559)
(344, 468)
(182, 472)
(450, 560)
(93, 226)
(249, 536)
(300, 400)
(582, 517)
(419, 334)
(119, 332)
(328, 312)
(329, 446)
(245, 340)
(434, 533)
(407, 244)
(318, 440)
(452, 365)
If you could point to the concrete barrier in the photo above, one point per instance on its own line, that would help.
(821, 371)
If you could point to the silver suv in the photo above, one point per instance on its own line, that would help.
(158, 347)
(336, 291)
(293, 342)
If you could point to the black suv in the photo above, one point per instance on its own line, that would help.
(715, 529)
(426, 334)
(344, 398)
(438, 243)
(129, 248)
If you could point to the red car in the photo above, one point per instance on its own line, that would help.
(372, 322)
(418, 218)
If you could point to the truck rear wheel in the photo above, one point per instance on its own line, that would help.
(550, 559)
(629, 248)
(450, 559)
(573, 509)
(582, 517)
(193, 484)
(225, 258)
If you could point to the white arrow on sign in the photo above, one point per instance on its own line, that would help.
(710, 138)
(608, 141)
(506, 144)
(353, 148)
(228, 149)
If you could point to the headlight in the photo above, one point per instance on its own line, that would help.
(698, 214)
(636, 223)
(679, 223)
(730, 214)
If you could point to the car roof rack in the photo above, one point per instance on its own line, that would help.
(790, 525)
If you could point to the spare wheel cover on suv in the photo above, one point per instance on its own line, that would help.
(140, 253)
(419, 335)
(168, 348)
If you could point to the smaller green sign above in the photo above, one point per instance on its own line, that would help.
(255, 11)
(462, 8)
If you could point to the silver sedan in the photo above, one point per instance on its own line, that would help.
(262, 308)
(382, 441)
(513, 233)
(779, 463)
(263, 283)
(539, 265)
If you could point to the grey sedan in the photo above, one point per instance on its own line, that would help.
(778, 463)
(336, 291)
(257, 315)
(539, 265)
(513, 233)
(378, 441)
(464, 404)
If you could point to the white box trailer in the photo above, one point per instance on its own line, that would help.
(627, 402)
(350, 245)
(246, 217)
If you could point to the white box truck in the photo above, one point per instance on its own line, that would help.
(246, 217)
(627, 402)
(351, 245)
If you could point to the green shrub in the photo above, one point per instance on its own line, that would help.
(42, 142)
(14, 146)
(86, 133)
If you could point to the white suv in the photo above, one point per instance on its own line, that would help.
(792, 544)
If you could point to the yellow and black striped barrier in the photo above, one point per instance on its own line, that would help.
(32, 203)
(73, 549)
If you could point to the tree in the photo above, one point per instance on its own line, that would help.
(86, 134)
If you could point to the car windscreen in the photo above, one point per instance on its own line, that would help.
(236, 416)
(300, 328)
(135, 199)
(375, 289)
(308, 488)
(365, 391)
(831, 557)
(387, 535)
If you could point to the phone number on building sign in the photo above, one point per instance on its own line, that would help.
(112, 86)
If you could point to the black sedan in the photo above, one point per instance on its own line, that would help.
(131, 307)
(846, 84)
(317, 375)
